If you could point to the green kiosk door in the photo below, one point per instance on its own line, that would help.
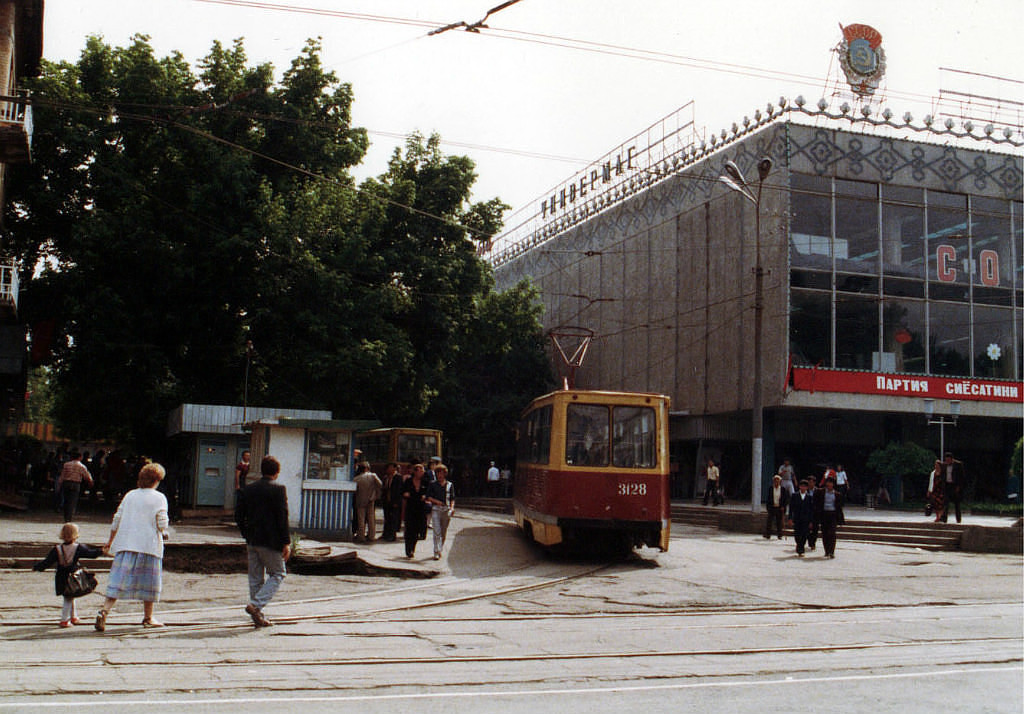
(212, 472)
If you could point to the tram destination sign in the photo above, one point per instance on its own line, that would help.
(814, 379)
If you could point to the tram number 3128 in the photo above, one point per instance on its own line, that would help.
(632, 489)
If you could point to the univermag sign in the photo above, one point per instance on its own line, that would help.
(813, 379)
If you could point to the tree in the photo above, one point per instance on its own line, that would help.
(498, 365)
(897, 460)
(149, 195)
(175, 217)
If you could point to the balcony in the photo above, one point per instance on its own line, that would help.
(15, 130)
(8, 290)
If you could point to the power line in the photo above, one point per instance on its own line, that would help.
(603, 48)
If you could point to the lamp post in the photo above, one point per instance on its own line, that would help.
(249, 352)
(954, 412)
(733, 178)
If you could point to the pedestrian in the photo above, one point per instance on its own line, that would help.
(414, 509)
(242, 471)
(73, 477)
(828, 512)
(842, 482)
(261, 514)
(953, 481)
(430, 474)
(777, 499)
(712, 487)
(65, 556)
(882, 494)
(829, 473)
(136, 541)
(391, 501)
(493, 480)
(368, 489)
(116, 478)
(935, 494)
(441, 496)
(788, 475)
(801, 515)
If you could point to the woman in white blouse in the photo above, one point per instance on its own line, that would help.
(136, 541)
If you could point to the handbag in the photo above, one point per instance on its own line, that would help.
(80, 582)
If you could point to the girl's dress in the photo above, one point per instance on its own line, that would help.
(66, 562)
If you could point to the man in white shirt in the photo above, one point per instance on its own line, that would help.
(493, 479)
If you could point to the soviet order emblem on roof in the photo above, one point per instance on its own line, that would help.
(862, 58)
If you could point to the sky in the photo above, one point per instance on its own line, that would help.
(551, 85)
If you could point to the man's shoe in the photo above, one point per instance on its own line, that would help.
(257, 617)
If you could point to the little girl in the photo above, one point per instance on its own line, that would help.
(66, 557)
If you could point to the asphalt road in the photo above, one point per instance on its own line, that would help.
(720, 623)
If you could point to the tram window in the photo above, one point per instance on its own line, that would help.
(636, 441)
(586, 435)
(535, 437)
(374, 447)
(416, 447)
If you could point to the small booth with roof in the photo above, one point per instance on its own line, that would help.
(317, 468)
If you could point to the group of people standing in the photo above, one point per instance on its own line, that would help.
(421, 495)
(807, 507)
(75, 472)
(425, 495)
(807, 513)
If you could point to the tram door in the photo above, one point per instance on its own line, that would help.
(211, 478)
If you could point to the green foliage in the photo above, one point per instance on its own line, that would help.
(39, 404)
(181, 215)
(498, 366)
(897, 460)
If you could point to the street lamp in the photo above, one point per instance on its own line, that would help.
(249, 352)
(735, 181)
(954, 412)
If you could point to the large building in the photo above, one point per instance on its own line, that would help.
(892, 259)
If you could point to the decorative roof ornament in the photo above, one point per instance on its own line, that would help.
(862, 58)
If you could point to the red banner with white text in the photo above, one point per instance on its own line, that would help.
(814, 379)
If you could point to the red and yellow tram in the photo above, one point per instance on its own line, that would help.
(592, 468)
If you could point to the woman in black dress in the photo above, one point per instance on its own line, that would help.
(414, 509)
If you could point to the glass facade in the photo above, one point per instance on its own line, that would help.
(897, 279)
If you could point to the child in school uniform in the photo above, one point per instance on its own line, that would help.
(65, 556)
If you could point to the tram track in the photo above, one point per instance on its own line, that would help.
(276, 662)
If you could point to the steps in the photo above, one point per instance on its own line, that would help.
(928, 536)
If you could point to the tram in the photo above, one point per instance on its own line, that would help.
(592, 470)
(398, 444)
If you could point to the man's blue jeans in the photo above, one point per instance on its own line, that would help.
(266, 571)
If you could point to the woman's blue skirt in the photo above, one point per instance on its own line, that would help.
(135, 576)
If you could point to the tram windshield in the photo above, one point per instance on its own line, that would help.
(633, 431)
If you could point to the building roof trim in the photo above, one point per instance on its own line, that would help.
(537, 229)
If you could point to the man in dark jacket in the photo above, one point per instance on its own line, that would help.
(801, 515)
(261, 513)
(828, 513)
(954, 481)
